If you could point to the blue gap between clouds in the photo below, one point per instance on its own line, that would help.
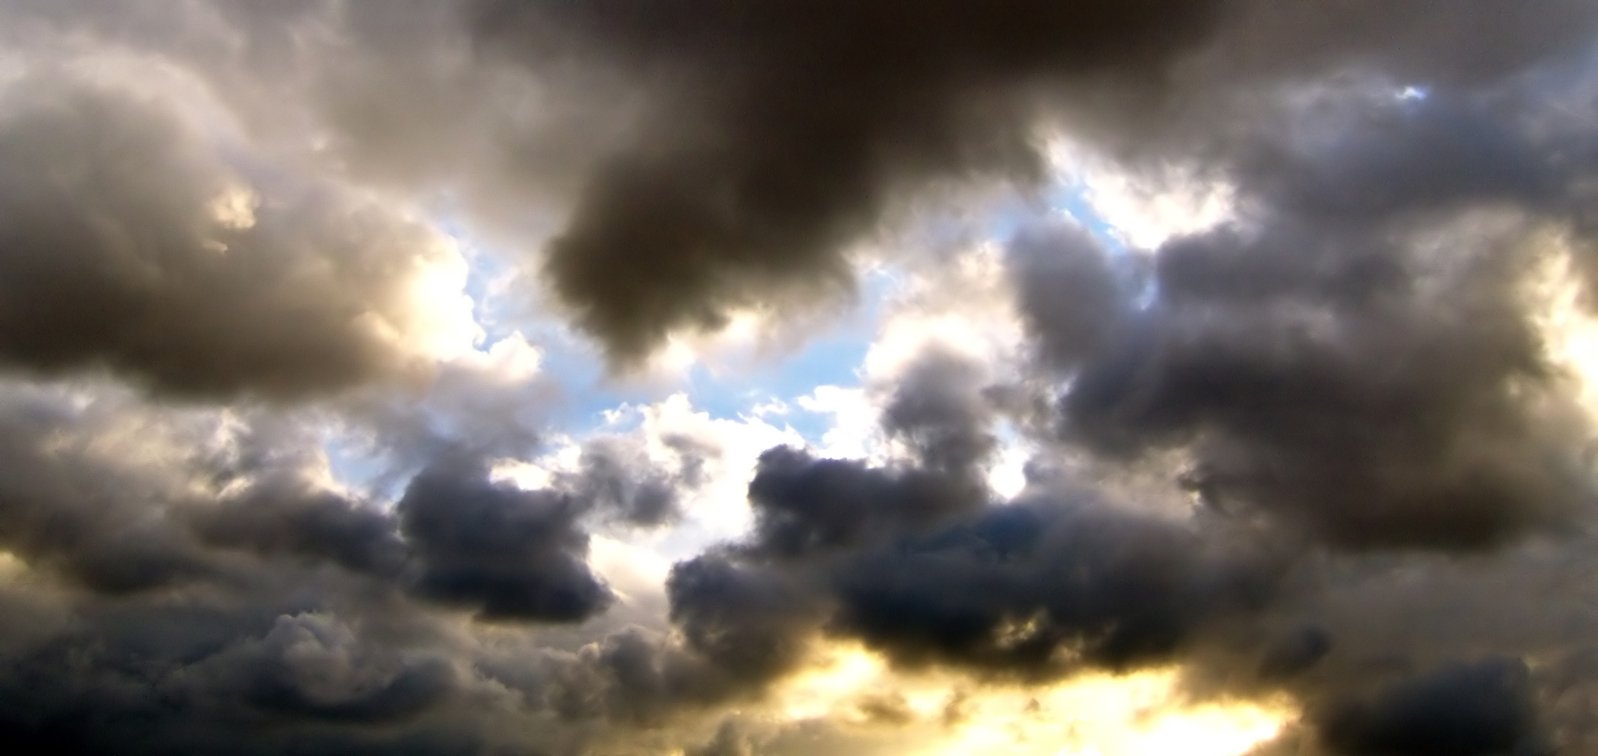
(832, 357)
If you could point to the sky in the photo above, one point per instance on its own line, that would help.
(720, 378)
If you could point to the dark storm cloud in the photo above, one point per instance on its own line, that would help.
(502, 551)
(219, 678)
(774, 136)
(1478, 708)
(128, 632)
(769, 139)
(708, 156)
(750, 621)
(1037, 588)
(805, 505)
(1043, 587)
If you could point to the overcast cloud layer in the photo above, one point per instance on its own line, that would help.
(286, 465)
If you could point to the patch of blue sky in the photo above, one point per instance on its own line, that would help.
(1073, 199)
(485, 268)
(831, 357)
(1067, 196)
(587, 390)
(572, 363)
(354, 463)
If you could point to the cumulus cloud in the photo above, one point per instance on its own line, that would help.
(135, 245)
(771, 158)
(504, 552)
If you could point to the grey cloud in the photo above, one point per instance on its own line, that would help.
(939, 408)
(1380, 161)
(1042, 588)
(214, 680)
(65, 507)
(1433, 447)
(732, 158)
(1050, 584)
(816, 735)
(729, 741)
(1478, 708)
(1068, 293)
(507, 553)
(620, 483)
(805, 505)
(313, 667)
(1350, 367)
(777, 136)
(282, 517)
(143, 636)
(1356, 357)
(120, 527)
(1295, 652)
(785, 134)
(118, 257)
(184, 587)
(750, 621)
(455, 536)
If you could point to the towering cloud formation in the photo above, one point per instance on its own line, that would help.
(257, 489)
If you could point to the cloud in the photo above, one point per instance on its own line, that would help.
(312, 666)
(1068, 293)
(298, 459)
(804, 505)
(758, 162)
(287, 517)
(1484, 707)
(1356, 356)
(938, 409)
(609, 477)
(136, 245)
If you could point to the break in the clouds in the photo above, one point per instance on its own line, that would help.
(134, 244)
(326, 424)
